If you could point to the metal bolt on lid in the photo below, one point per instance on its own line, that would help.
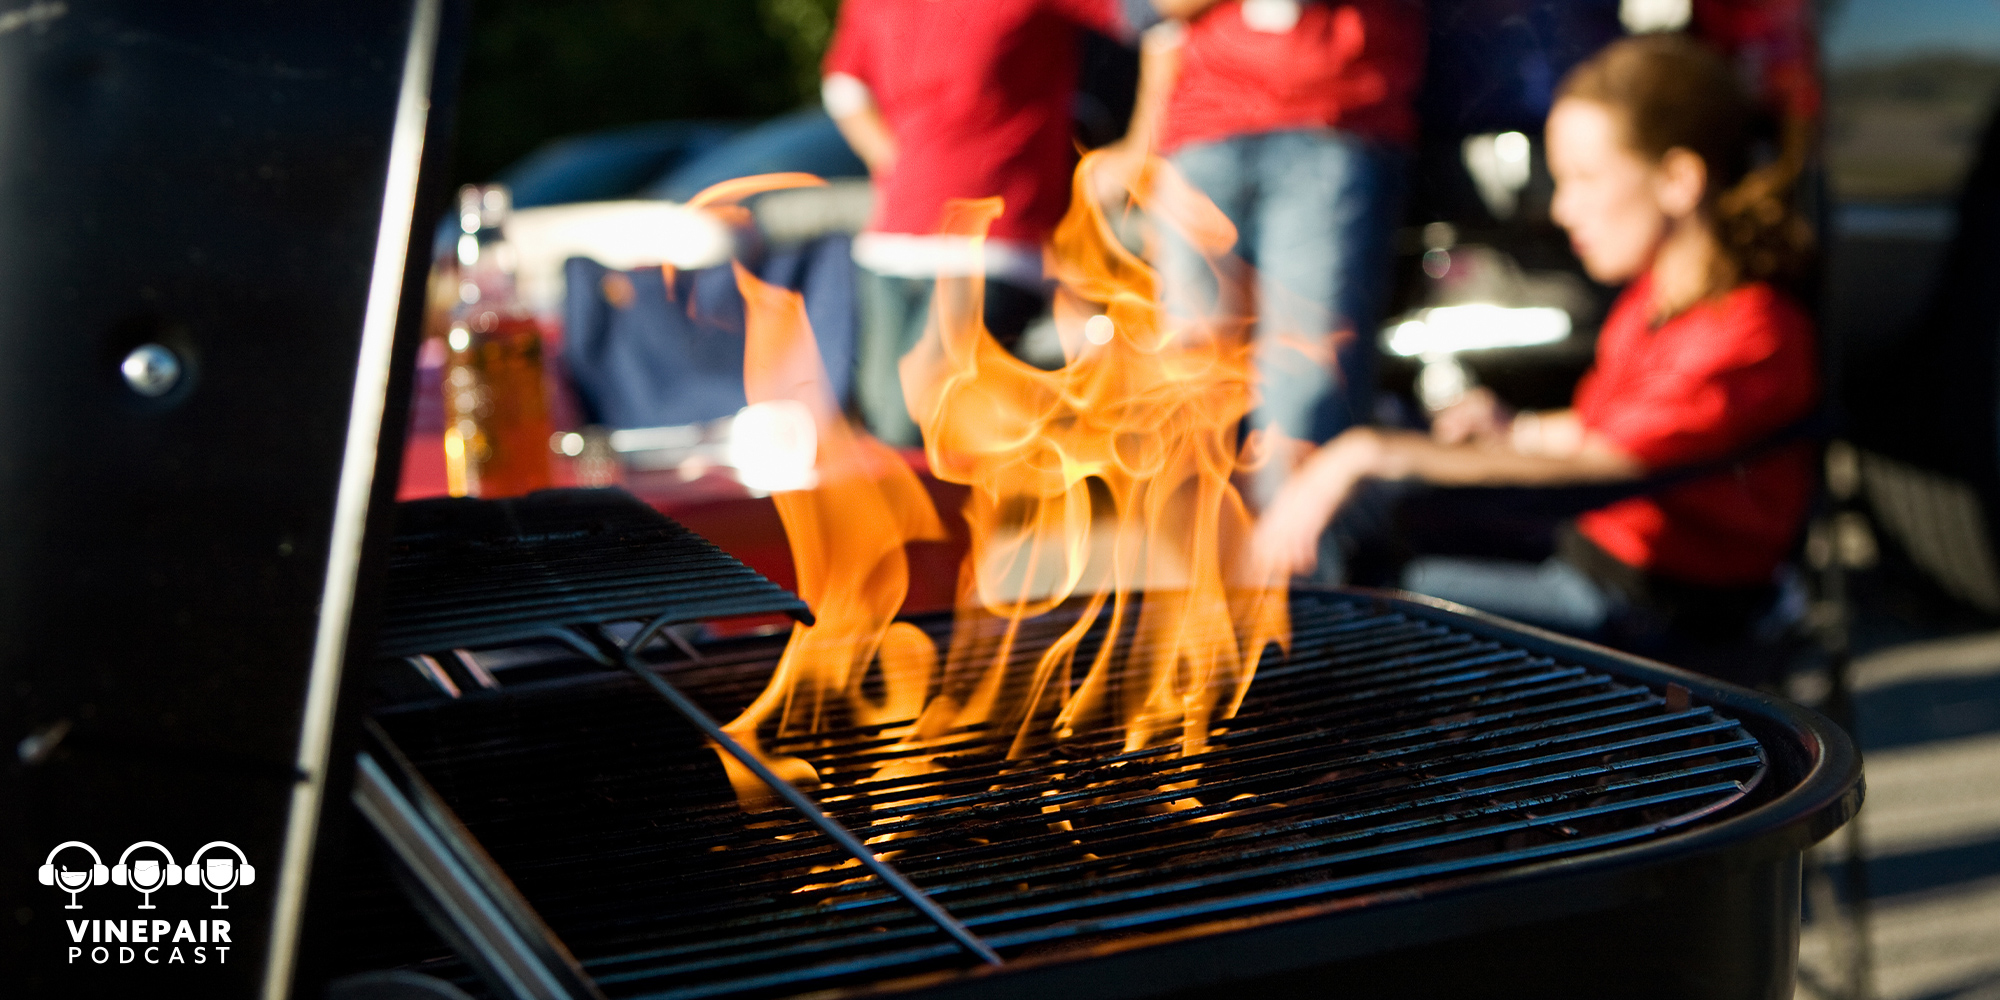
(151, 370)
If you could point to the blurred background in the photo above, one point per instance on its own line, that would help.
(541, 72)
(586, 123)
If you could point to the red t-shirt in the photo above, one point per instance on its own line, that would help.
(1354, 66)
(1773, 44)
(977, 93)
(1710, 382)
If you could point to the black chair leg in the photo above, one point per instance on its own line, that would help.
(1832, 558)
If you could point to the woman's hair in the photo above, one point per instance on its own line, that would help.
(1674, 93)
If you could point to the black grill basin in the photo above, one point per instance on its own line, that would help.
(1417, 801)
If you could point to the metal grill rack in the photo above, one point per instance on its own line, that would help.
(1388, 754)
(469, 573)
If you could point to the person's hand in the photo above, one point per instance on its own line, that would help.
(1286, 541)
(862, 125)
(1479, 416)
(1115, 172)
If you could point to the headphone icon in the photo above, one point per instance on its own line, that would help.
(46, 874)
(170, 873)
(121, 875)
(245, 874)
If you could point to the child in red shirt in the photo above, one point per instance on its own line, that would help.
(1701, 360)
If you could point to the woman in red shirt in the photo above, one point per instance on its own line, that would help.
(1701, 359)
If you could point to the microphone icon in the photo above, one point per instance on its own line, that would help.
(146, 874)
(219, 875)
(72, 882)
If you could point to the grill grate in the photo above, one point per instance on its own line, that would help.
(468, 572)
(1386, 752)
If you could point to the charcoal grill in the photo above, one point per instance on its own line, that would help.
(191, 596)
(1416, 800)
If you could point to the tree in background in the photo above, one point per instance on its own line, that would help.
(804, 27)
(541, 69)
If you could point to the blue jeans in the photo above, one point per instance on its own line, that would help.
(1314, 210)
(1552, 594)
(894, 313)
(1722, 635)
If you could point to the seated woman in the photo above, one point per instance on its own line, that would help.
(1700, 361)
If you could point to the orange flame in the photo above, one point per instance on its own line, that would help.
(1094, 484)
(847, 535)
(731, 191)
(720, 200)
(1104, 479)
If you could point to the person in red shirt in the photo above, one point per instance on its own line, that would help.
(1701, 361)
(947, 99)
(1294, 118)
(1773, 44)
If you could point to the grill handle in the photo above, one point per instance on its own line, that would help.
(608, 652)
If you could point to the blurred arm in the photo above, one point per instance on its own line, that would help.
(852, 107)
(1124, 160)
(1287, 537)
(1587, 458)
(1482, 419)
(1548, 433)
(1159, 64)
(1479, 416)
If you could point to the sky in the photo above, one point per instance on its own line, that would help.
(1859, 29)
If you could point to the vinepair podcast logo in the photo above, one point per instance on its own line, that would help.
(218, 873)
(147, 867)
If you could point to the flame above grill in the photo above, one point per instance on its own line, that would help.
(1089, 485)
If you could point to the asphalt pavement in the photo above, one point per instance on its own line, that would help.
(1928, 720)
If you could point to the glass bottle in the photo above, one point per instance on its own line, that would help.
(496, 412)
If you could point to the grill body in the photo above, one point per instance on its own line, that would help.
(1418, 801)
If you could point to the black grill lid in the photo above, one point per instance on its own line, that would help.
(467, 573)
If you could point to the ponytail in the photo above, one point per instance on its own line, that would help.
(1673, 93)
(1762, 237)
